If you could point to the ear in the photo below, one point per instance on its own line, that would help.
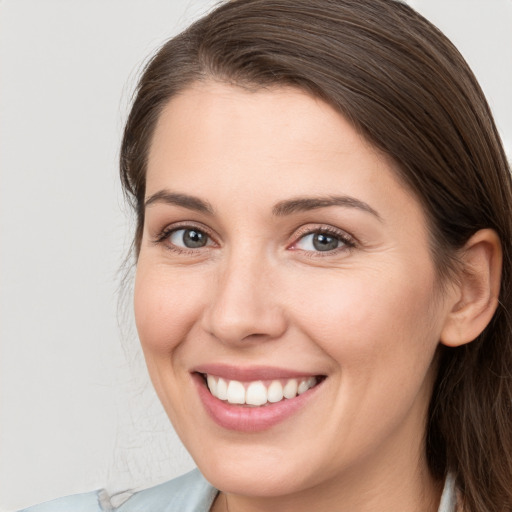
(477, 289)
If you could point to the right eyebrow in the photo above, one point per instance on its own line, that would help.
(304, 204)
(183, 200)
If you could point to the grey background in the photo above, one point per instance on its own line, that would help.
(76, 409)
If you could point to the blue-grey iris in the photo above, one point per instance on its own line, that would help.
(322, 242)
(194, 239)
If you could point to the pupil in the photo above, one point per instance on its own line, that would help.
(193, 239)
(324, 242)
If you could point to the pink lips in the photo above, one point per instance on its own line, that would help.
(243, 418)
(251, 373)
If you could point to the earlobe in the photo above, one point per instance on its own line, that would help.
(478, 288)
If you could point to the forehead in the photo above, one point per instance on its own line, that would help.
(225, 142)
(234, 118)
(273, 124)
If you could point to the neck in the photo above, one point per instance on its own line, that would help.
(412, 495)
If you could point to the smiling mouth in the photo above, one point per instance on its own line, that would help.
(258, 393)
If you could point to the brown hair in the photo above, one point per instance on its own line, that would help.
(407, 89)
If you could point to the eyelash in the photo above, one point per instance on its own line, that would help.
(163, 236)
(348, 242)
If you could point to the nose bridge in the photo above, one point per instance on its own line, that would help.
(243, 305)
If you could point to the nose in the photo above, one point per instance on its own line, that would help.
(244, 303)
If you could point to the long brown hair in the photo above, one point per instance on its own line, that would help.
(407, 89)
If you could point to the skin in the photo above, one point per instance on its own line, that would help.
(367, 316)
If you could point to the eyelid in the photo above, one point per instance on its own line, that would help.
(163, 235)
(348, 240)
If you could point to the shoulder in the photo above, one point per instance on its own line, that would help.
(187, 493)
(449, 497)
(86, 502)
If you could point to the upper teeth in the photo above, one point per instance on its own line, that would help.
(257, 392)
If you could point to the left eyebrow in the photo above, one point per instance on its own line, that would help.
(303, 204)
(183, 200)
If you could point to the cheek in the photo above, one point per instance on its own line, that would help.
(382, 336)
(165, 307)
(373, 318)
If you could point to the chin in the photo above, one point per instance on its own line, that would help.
(255, 478)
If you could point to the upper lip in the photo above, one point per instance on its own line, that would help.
(250, 373)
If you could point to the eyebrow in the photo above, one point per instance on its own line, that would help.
(303, 204)
(183, 200)
(282, 208)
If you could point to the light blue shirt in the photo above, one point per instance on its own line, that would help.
(187, 493)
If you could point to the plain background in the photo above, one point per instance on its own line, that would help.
(77, 411)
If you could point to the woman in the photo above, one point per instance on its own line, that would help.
(323, 251)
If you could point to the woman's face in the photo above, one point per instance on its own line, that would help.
(280, 251)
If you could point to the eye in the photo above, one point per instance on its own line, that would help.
(188, 238)
(323, 241)
(185, 239)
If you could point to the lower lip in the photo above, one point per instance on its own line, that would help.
(250, 419)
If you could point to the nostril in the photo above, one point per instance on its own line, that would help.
(245, 313)
(258, 336)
